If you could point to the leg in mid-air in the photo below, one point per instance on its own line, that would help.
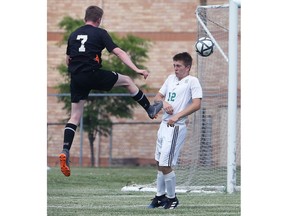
(69, 132)
(139, 96)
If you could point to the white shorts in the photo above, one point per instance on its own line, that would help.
(169, 143)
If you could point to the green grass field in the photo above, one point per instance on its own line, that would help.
(97, 191)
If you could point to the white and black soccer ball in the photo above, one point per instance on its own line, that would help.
(204, 46)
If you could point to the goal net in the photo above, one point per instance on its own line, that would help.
(202, 164)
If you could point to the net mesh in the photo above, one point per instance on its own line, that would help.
(203, 159)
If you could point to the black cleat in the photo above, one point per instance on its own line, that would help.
(158, 201)
(171, 203)
(154, 109)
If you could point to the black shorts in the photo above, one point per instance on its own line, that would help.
(82, 83)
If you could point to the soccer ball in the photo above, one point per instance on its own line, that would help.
(204, 46)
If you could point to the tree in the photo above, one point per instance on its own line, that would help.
(98, 111)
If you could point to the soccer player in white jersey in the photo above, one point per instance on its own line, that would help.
(181, 94)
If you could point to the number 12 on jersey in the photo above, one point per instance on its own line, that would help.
(172, 96)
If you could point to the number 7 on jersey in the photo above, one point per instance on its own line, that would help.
(83, 39)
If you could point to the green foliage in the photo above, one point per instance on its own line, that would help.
(99, 110)
(137, 50)
(69, 25)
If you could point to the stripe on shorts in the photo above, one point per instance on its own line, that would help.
(173, 144)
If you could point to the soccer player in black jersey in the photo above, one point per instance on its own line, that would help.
(83, 58)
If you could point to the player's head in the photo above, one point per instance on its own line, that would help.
(94, 14)
(185, 58)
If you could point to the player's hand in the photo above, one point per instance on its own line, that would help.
(67, 60)
(156, 116)
(168, 108)
(172, 121)
(144, 73)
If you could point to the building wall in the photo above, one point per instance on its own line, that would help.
(171, 27)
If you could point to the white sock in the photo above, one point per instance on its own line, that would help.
(170, 184)
(160, 184)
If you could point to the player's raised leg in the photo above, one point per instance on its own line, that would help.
(139, 96)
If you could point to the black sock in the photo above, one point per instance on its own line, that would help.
(142, 99)
(69, 132)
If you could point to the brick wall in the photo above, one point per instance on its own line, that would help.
(171, 27)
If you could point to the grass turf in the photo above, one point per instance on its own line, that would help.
(97, 191)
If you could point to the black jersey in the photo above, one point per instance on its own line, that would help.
(84, 47)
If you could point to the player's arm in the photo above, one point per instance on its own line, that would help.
(193, 107)
(159, 97)
(166, 106)
(124, 57)
(67, 59)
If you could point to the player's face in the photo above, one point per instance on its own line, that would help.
(180, 69)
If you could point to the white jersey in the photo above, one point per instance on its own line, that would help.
(179, 94)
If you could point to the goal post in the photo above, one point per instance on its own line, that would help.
(232, 95)
(209, 161)
(220, 23)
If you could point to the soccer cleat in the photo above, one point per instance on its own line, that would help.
(171, 203)
(154, 109)
(158, 201)
(64, 162)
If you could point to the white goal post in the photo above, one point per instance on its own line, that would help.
(210, 159)
(232, 95)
